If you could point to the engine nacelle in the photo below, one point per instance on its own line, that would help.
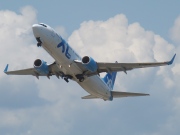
(41, 67)
(89, 63)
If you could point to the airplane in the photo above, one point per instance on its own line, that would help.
(68, 65)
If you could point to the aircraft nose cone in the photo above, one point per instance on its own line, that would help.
(35, 26)
(36, 29)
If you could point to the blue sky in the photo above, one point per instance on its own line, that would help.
(126, 31)
(157, 16)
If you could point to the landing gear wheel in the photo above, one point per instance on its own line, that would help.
(81, 79)
(66, 79)
(38, 44)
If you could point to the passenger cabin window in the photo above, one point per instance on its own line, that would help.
(43, 24)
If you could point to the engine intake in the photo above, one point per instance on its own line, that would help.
(41, 67)
(89, 63)
(37, 63)
(85, 59)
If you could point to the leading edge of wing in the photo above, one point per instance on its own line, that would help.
(119, 94)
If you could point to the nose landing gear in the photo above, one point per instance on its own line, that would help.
(39, 42)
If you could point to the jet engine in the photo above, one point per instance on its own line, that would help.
(41, 67)
(89, 63)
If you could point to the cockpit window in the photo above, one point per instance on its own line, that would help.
(43, 24)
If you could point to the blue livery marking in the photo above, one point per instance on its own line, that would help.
(6, 69)
(67, 53)
(171, 61)
(63, 44)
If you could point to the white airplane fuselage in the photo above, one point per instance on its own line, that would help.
(65, 56)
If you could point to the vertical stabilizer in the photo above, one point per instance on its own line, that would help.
(109, 79)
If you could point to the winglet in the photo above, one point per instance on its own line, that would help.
(171, 62)
(6, 69)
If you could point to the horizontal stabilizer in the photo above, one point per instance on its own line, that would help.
(89, 97)
(118, 94)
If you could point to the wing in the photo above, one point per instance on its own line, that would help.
(29, 71)
(118, 94)
(53, 70)
(111, 67)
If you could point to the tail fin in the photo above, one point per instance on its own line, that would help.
(109, 79)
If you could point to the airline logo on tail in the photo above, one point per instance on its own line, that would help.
(109, 79)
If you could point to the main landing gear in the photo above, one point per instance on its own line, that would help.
(67, 77)
(63, 76)
(80, 77)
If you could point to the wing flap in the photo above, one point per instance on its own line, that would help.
(119, 94)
